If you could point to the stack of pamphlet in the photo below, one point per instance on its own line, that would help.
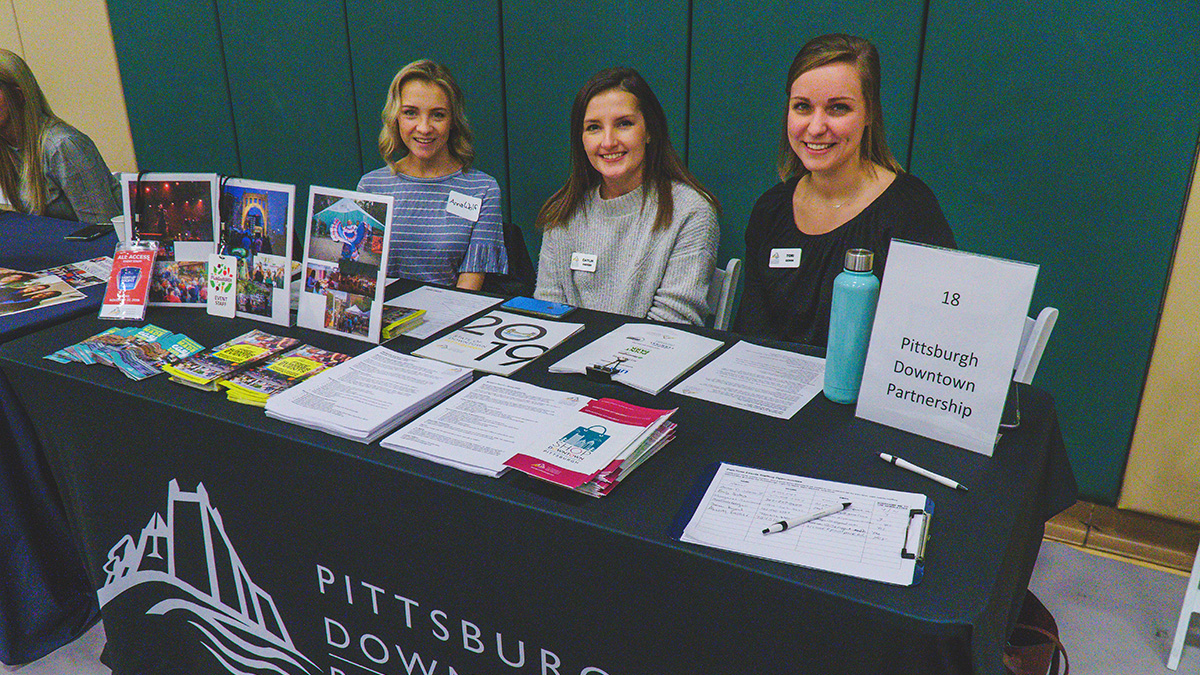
(369, 395)
(255, 386)
(647, 357)
(206, 369)
(611, 438)
(400, 320)
(496, 424)
(137, 352)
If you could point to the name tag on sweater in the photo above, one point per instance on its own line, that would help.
(784, 257)
(583, 262)
(464, 206)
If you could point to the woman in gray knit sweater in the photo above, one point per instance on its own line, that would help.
(632, 232)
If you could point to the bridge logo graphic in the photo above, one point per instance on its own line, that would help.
(188, 564)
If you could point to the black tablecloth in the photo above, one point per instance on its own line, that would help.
(366, 558)
(47, 598)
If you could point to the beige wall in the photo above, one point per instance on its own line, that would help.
(1163, 473)
(69, 46)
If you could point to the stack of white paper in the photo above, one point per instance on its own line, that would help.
(367, 396)
(480, 427)
(759, 379)
(647, 357)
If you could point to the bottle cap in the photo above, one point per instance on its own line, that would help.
(859, 260)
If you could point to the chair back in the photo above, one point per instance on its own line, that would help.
(721, 291)
(1033, 343)
(522, 276)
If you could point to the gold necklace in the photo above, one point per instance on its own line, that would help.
(812, 195)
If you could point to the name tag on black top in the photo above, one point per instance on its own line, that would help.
(784, 257)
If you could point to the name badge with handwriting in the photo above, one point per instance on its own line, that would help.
(464, 206)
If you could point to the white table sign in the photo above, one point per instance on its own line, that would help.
(946, 334)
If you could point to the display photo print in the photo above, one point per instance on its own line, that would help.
(180, 212)
(344, 262)
(258, 232)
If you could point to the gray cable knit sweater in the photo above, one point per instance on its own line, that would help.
(661, 275)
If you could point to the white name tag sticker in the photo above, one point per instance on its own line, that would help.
(583, 262)
(784, 257)
(464, 206)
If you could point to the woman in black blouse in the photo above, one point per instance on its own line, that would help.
(841, 189)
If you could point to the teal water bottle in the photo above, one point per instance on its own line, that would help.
(851, 314)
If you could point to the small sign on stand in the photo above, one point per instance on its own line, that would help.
(946, 334)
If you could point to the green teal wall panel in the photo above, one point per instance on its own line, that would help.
(550, 50)
(463, 35)
(1056, 133)
(293, 102)
(1063, 134)
(741, 52)
(174, 82)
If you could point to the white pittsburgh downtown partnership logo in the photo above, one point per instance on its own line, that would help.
(191, 568)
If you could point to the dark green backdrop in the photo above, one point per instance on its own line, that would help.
(1057, 133)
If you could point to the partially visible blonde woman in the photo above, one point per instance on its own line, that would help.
(48, 167)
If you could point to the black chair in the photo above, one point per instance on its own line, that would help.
(522, 276)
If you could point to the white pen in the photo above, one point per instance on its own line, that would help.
(797, 522)
(921, 472)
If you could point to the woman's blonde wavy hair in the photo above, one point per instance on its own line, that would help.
(461, 141)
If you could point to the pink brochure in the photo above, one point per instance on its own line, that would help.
(602, 432)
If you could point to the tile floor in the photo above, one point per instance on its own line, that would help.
(1115, 618)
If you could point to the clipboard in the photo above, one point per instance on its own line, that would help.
(881, 537)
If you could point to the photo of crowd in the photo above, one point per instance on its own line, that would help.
(22, 291)
(254, 297)
(340, 278)
(347, 312)
(180, 282)
(318, 277)
(258, 221)
(270, 271)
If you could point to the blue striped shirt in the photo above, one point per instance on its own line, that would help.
(429, 243)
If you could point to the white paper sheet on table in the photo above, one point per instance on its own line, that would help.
(759, 379)
(367, 396)
(480, 427)
(443, 307)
